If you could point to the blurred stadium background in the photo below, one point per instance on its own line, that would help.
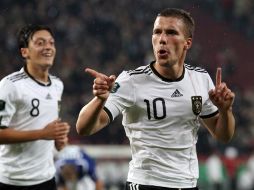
(110, 36)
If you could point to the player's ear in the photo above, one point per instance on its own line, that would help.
(188, 43)
(24, 52)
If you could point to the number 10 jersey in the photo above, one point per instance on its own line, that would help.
(160, 118)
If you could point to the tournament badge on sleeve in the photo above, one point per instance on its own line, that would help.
(196, 104)
(115, 87)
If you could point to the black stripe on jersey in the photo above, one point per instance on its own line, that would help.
(17, 77)
(198, 69)
(209, 116)
(146, 70)
(109, 114)
(3, 127)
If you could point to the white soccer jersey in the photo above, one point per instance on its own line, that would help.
(26, 104)
(159, 120)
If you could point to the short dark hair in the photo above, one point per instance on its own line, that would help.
(181, 14)
(26, 33)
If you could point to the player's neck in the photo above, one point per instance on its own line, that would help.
(38, 73)
(172, 72)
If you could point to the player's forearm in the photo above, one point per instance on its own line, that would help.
(11, 136)
(89, 119)
(225, 126)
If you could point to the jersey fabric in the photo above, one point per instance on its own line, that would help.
(84, 164)
(160, 123)
(27, 104)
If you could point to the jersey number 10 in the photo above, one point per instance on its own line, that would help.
(154, 104)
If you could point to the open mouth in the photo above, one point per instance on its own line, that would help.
(47, 54)
(162, 53)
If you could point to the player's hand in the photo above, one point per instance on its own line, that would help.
(56, 130)
(61, 143)
(221, 96)
(102, 83)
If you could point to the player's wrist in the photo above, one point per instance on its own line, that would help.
(101, 99)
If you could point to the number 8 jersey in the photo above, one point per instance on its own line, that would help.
(160, 118)
(26, 104)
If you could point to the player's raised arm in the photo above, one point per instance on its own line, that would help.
(92, 118)
(222, 127)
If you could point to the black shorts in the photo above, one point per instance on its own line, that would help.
(133, 186)
(47, 185)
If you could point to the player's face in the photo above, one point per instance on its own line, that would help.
(169, 40)
(41, 49)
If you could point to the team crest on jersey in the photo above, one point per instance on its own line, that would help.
(2, 105)
(196, 104)
(115, 87)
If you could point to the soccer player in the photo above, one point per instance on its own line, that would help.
(30, 127)
(162, 104)
(76, 170)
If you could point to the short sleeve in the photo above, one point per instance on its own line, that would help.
(7, 102)
(121, 97)
(209, 109)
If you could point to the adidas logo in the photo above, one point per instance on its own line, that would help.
(48, 97)
(176, 94)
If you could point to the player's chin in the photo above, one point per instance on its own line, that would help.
(165, 62)
(48, 60)
(47, 64)
(161, 60)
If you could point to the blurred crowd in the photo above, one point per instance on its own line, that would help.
(110, 36)
(238, 13)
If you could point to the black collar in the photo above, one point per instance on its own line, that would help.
(38, 82)
(164, 78)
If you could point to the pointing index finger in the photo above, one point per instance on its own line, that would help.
(93, 73)
(218, 76)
